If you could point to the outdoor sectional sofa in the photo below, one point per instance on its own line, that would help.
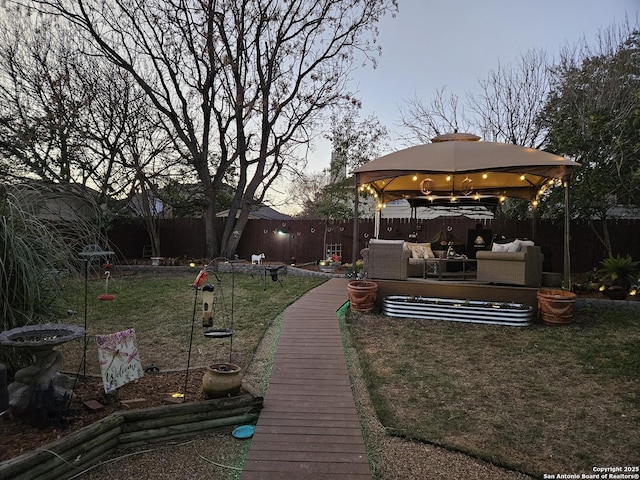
(514, 263)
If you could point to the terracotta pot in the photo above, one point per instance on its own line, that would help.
(362, 295)
(221, 380)
(556, 306)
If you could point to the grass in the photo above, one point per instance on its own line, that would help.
(159, 305)
(537, 399)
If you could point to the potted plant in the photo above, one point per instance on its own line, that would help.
(362, 295)
(617, 274)
(555, 306)
(330, 264)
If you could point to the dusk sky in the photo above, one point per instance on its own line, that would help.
(432, 44)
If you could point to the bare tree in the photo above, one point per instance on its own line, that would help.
(506, 110)
(511, 100)
(424, 122)
(42, 101)
(68, 117)
(240, 82)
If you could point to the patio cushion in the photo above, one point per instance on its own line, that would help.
(516, 245)
(420, 250)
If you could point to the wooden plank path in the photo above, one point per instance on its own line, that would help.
(309, 427)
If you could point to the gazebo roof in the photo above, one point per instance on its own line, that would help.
(463, 167)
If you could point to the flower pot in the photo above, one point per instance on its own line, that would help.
(616, 293)
(556, 306)
(362, 295)
(329, 267)
(221, 380)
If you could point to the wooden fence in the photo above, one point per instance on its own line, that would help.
(303, 241)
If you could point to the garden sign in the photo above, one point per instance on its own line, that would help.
(119, 361)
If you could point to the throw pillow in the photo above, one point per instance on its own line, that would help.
(428, 253)
(513, 246)
(526, 243)
(501, 247)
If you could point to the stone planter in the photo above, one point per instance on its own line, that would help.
(328, 267)
(362, 295)
(556, 306)
(221, 380)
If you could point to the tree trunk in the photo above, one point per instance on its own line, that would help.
(604, 237)
(210, 233)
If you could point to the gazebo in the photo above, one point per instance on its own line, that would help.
(459, 168)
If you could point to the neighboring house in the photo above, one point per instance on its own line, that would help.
(264, 213)
(402, 209)
(57, 202)
(157, 208)
(624, 212)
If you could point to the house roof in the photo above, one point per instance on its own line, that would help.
(264, 213)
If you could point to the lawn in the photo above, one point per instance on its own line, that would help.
(159, 305)
(538, 399)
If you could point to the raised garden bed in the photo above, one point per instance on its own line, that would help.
(470, 311)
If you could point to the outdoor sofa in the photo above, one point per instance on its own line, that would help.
(397, 259)
(514, 263)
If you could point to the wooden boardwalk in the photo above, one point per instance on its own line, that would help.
(309, 427)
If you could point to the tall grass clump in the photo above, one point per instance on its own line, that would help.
(36, 256)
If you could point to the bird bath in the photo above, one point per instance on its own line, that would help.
(39, 390)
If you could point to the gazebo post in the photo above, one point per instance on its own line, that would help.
(354, 246)
(566, 278)
(534, 223)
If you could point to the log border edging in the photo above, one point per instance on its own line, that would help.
(123, 429)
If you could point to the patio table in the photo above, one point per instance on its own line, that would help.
(467, 268)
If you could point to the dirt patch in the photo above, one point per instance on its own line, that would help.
(19, 436)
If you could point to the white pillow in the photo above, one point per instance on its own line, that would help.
(381, 241)
(514, 246)
(416, 251)
(501, 247)
(525, 243)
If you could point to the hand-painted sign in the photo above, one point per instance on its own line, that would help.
(119, 361)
